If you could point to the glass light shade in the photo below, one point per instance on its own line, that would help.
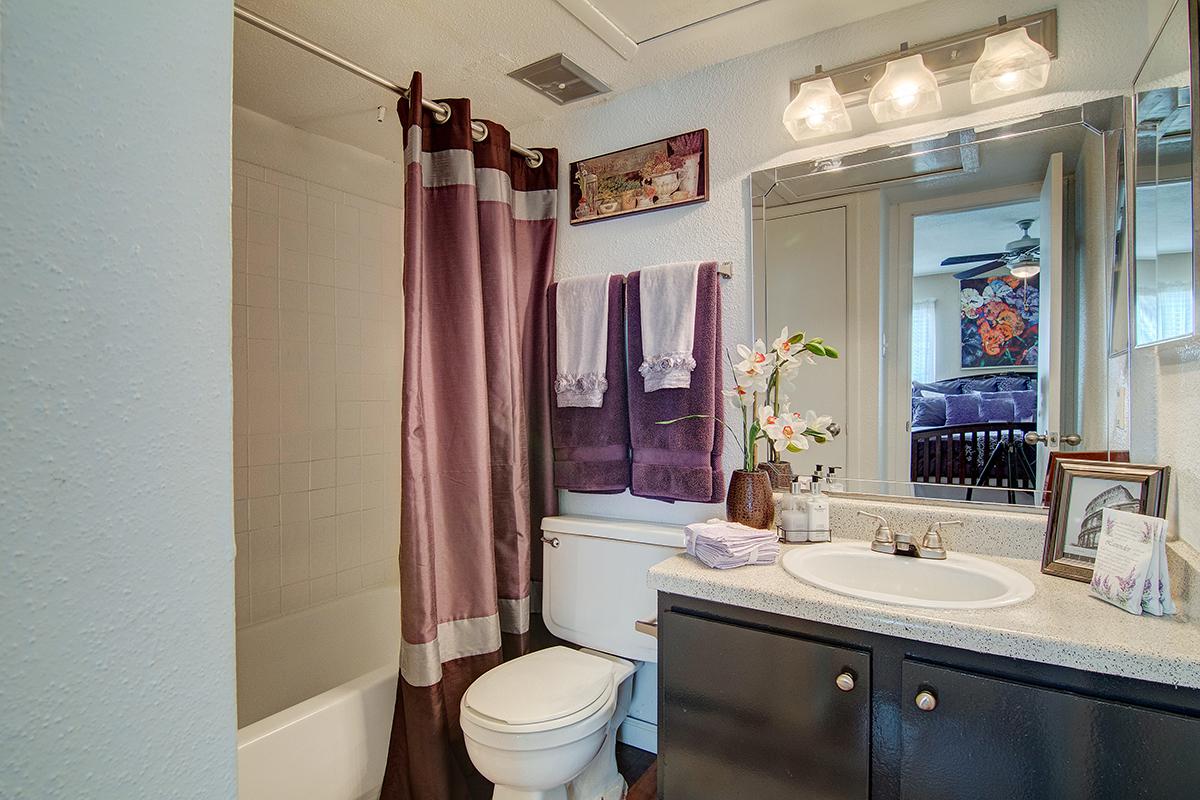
(817, 110)
(1011, 63)
(907, 89)
(1025, 269)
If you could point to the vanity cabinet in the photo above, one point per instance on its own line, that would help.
(758, 706)
(795, 713)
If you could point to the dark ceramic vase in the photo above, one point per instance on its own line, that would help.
(780, 473)
(749, 500)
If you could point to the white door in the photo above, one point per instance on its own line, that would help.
(806, 290)
(1050, 314)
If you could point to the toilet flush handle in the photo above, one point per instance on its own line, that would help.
(552, 542)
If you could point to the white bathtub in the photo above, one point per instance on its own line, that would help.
(315, 696)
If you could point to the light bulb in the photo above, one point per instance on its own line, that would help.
(1011, 63)
(816, 117)
(1008, 80)
(906, 89)
(816, 110)
(905, 96)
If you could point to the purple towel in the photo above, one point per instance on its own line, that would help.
(680, 461)
(591, 445)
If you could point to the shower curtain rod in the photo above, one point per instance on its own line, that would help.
(441, 111)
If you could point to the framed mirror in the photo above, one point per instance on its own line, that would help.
(971, 280)
(1165, 282)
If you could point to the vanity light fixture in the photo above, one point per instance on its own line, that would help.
(1011, 63)
(907, 89)
(816, 110)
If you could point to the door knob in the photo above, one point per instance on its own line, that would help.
(926, 700)
(845, 681)
(1071, 438)
(1033, 437)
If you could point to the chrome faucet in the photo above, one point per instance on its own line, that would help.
(903, 544)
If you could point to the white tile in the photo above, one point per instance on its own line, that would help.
(322, 555)
(280, 179)
(239, 255)
(263, 356)
(325, 192)
(345, 274)
(349, 540)
(346, 305)
(294, 447)
(349, 470)
(262, 196)
(321, 357)
(372, 494)
(322, 589)
(320, 241)
(293, 295)
(293, 477)
(378, 572)
(346, 220)
(294, 507)
(241, 564)
(369, 281)
(372, 387)
(370, 253)
(245, 168)
(349, 443)
(263, 480)
(320, 299)
(322, 329)
(239, 190)
(293, 265)
(262, 258)
(240, 514)
(320, 271)
(262, 291)
(324, 443)
(262, 228)
(370, 226)
(293, 205)
(349, 387)
(239, 322)
(370, 306)
(349, 582)
(349, 498)
(322, 503)
(239, 290)
(294, 597)
(264, 545)
(348, 330)
(241, 451)
(264, 606)
(373, 468)
(237, 223)
(349, 415)
(264, 575)
(264, 512)
(322, 474)
(293, 235)
(293, 325)
(293, 355)
(262, 323)
(320, 212)
(241, 610)
(345, 246)
(295, 545)
(263, 449)
(240, 483)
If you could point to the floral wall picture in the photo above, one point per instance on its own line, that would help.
(999, 322)
(669, 172)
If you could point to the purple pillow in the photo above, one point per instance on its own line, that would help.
(929, 412)
(1012, 383)
(997, 407)
(963, 409)
(1026, 402)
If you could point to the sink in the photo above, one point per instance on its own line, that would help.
(959, 582)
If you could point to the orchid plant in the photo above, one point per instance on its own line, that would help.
(766, 411)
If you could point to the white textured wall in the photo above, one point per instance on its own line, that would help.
(116, 531)
(741, 103)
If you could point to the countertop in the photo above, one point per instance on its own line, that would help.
(1061, 624)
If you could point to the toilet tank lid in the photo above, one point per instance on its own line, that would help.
(620, 529)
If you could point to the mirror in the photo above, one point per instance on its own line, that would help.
(973, 278)
(1164, 283)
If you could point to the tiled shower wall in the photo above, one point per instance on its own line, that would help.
(317, 327)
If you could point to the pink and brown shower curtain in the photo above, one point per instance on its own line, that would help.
(479, 232)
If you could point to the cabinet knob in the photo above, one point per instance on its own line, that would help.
(845, 681)
(926, 700)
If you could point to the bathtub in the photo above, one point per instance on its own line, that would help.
(315, 696)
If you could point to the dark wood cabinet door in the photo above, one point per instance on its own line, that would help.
(758, 715)
(992, 739)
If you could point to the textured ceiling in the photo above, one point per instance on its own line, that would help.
(466, 48)
(957, 233)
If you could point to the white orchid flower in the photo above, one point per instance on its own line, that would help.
(740, 395)
(754, 362)
(812, 422)
(784, 348)
(767, 418)
(788, 434)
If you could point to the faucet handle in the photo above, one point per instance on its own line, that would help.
(933, 537)
(883, 531)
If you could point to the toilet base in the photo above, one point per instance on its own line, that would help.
(508, 793)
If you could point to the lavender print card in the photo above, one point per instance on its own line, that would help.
(1123, 559)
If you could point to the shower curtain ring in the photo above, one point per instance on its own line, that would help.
(479, 130)
(534, 160)
(442, 116)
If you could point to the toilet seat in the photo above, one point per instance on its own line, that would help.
(540, 700)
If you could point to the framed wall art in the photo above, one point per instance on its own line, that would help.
(666, 173)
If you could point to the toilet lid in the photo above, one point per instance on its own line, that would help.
(542, 686)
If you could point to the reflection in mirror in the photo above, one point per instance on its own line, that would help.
(983, 266)
(1164, 289)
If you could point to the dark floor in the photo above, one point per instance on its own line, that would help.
(632, 762)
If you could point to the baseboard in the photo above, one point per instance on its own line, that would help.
(638, 733)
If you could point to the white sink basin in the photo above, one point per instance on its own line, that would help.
(960, 581)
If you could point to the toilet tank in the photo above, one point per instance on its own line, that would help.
(594, 581)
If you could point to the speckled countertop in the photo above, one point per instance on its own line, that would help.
(1061, 624)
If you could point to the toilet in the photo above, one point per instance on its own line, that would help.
(544, 726)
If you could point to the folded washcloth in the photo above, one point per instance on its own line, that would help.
(581, 328)
(723, 545)
(668, 318)
(680, 461)
(591, 445)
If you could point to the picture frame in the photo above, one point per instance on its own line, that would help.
(665, 173)
(1082, 489)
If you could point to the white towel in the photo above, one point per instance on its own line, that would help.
(724, 545)
(581, 325)
(668, 325)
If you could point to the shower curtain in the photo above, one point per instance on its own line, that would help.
(479, 234)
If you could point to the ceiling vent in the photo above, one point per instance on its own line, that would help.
(560, 79)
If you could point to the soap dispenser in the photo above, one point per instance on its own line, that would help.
(817, 507)
(794, 518)
(831, 484)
